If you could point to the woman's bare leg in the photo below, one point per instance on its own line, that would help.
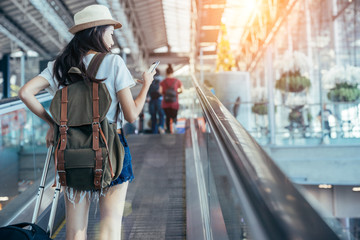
(111, 212)
(77, 218)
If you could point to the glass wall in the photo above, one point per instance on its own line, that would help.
(23, 67)
(23, 151)
(315, 70)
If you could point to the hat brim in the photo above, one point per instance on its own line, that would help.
(87, 25)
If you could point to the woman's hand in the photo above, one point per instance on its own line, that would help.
(50, 136)
(148, 78)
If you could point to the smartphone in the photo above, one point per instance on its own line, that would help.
(153, 66)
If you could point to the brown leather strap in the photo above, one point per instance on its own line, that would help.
(56, 161)
(107, 149)
(96, 129)
(95, 64)
(63, 137)
(92, 71)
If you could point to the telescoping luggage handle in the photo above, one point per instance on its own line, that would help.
(41, 192)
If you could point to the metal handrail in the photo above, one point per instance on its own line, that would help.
(14, 103)
(273, 206)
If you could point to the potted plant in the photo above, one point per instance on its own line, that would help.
(342, 83)
(292, 82)
(292, 67)
(260, 106)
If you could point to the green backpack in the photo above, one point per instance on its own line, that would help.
(88, 153)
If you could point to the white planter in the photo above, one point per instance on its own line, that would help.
(230, 85)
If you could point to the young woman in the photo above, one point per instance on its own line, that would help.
(93, 30)
(170, 108)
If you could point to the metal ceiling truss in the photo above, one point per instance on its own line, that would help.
(42, 26)
(50, 13)
(172, 58)
(136, 28)
(62, 11)
(19, 36)
(127, 37)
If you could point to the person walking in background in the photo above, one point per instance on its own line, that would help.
(236, 106)
(93, 31)
(170, 87)
(326, 114)
(156, 112)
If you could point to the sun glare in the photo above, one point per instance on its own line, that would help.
(236, 15)
(250, 5)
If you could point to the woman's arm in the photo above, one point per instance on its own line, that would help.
(130, 107)
(27, 95)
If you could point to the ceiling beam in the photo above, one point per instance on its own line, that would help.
(137, 27)
(43, 28)
(18, 36)
(48, 12)
(62, 11)
(125, 36)
(172, 58)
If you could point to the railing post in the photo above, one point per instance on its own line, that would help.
(5, 68)
(269, 76)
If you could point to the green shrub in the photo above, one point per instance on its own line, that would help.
(292, 82)
(260, 108)
(344, 92)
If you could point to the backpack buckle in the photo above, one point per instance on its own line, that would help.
(98, 172)
(95, 126)
(63, 129)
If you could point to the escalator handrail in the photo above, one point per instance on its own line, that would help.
(274, 207)
(14, 103)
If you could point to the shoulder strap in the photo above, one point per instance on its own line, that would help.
(175, 81)
(95, 64)
(118, 111)
(173, 84)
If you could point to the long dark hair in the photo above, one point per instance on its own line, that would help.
(73, 54)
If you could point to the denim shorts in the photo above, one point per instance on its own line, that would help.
(127, 172)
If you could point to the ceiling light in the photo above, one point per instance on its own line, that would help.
(356, 189)
(127, 50)
(32, 53)
(115, 50)
(325, 186)
(17, 54)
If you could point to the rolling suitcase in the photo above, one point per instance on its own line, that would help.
(32, 231)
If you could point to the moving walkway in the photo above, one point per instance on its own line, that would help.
(213, 182)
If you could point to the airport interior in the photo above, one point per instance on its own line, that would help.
(266, 144)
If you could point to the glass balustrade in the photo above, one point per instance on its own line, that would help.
(22, 153)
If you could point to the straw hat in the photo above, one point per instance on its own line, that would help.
(92, 16)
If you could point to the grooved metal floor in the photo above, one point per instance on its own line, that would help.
(155, 202)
